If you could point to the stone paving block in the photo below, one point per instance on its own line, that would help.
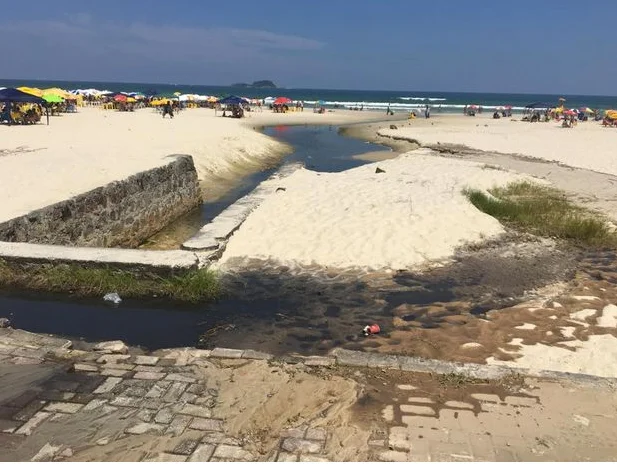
(85, 367)
(174, 392)
(449, 418)
(193, 410)
(166, 457)
(108, 385)
(145, 415)
(46, 453)
(24, 360)
(178, 425)
(157, 390)
(181, 378)
(297, 432)
(522, 401)
(286, 457)
(115, 373)
(67, 408)
(232, 452)
(145, 427)
(202, 453)
(252, 354)
(58, 416)
(112, 358)
(149, 375)
(126, 401)
(482, 447)
(420, 451)
(226, 353)
(148, 369)
(420, 399)
(399, 438)
(393, 456)
(419, 410)
(186, 447)
(29, 426)
(136, 391)
(54, 395)
(211, 425)
(350, 358)
(164, 416)
(298, 445)
(30, 410)
(197, 389)
(388, 361)
(188, 398)
(388, 413)
(459, 404)
(313, 458)
(214, 438)
(486, 397)
(146, 360)
(316, 434)
(89, 382)
(95, 404)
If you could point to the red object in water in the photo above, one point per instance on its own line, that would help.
(374, 329)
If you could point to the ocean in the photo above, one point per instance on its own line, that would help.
(378, 100)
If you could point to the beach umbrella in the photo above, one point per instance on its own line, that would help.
(232, 100)
(282, 101)
(31, 90)
(120, 98)
(177, 94)
(51, 98)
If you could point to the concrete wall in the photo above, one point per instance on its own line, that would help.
(122, 213)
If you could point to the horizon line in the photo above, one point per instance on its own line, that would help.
(307, 88)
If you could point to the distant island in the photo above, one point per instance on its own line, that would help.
(256, 85)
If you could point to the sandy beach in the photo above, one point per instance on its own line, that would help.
(41, 165)
(411, 212)
(587, 146)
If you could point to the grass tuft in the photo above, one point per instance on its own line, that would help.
(543, 211)
(193, 286)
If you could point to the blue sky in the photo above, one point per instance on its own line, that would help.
(547, 46)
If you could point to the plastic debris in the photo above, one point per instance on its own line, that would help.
(371, 329)
(113, 298)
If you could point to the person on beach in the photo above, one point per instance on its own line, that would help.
(427, 112)
(168, 109)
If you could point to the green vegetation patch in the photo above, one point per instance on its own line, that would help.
(543, 211)
(193, 286)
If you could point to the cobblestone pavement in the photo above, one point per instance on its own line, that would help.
(58, 403)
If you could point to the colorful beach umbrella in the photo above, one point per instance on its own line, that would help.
(120, 98)
(282, 101)
(32, 91)
(51, 98)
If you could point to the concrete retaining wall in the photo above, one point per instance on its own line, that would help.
(122, 213)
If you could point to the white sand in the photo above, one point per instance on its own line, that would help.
(413, 213)
(596, 356)
(608, 317)
(41, 165)
(588, 145)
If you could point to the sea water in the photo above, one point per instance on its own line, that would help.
(377, 100)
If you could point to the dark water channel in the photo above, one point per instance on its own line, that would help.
(278, 314)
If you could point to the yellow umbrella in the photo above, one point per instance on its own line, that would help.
(32, 91)
(130, 100)
(59, 92)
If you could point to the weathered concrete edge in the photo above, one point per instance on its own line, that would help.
(155, 260)
(214, 235)
(337, 357)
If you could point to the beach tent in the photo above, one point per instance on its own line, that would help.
(232, 100)
(11, 95)
(32, 91)
(50, 98)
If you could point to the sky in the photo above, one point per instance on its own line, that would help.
(549, 46)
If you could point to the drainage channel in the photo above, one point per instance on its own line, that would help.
(300, 314)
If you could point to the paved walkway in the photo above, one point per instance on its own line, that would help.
(58, 403)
